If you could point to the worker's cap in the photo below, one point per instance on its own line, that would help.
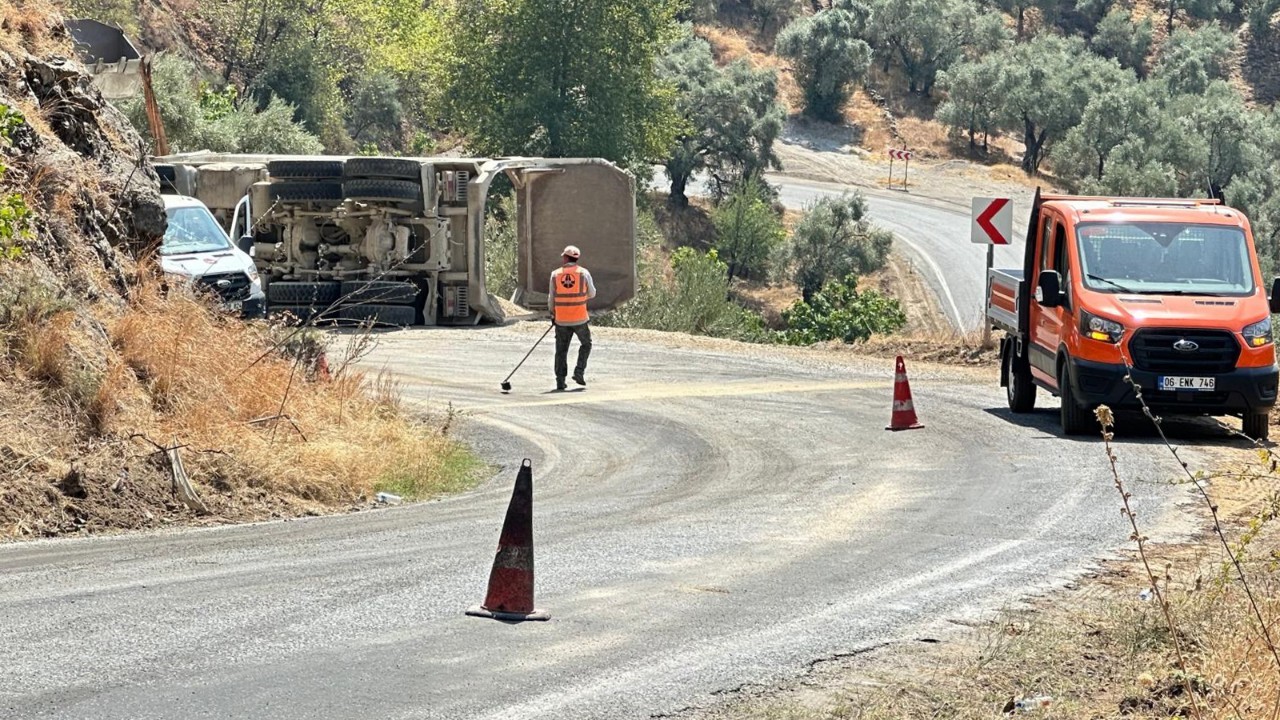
(572, 251)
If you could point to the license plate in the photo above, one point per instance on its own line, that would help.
(1173, 382)
(234, 306)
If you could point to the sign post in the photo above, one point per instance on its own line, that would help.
(904, 155)
(992, 225)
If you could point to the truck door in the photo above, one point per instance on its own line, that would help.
(1048, 323)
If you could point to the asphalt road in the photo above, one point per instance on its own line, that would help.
(706, 519)
(934, 235)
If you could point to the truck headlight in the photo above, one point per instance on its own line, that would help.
(1258, 334)
(1099, 328)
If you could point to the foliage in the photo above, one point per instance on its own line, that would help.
(197, 117)
(563, 78)
(688, 293)
(500, 246)
(835, 239)
(1191, 59)
(748, 231)
(1197, 9)
(1120, 38)
(731, 117)
(928, 36)
(772, 14)
(840, 312)
(974, 102)
(827, 59)
(15, 216)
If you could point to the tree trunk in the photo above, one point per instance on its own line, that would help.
(1173, 8)
(1021, 22)
(1102, 159)
(677, 196)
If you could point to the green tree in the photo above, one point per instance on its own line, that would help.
(1121, 113)
(827, 59)
(1196, 9)
(841, 312)
(772, 14)
(731, 117)
(563, 77)
(835, 239)
(1256, 190)
(973, 102)
(1191, 59)
(748, 231)
(375, 113)
(1045, 87)
(1120, 38)
(928, 36)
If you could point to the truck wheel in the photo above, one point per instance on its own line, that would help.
(305, 169)
(1019, 388)
(381, 292)
(1257, 425)
(287, 292)
(306, 191)
(383, 167)
(397, 315)
(378, 190)
(1076, 419)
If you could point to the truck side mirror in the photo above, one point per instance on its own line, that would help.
(1049, 289)
(1275, 296)
(245, 243)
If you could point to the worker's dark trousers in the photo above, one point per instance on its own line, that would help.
(564, 334)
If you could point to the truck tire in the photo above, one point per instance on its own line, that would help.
(168, 179)
(395, 315)
(305, 169)
(379, 190)
(295, 314)
(383, 167)
(306, 192)
(288, 292)
(1076, 419)
(1257, 425)
(1019, 388)
(380, 292)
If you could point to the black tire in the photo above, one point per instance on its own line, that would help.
(395, 315)
(168, 178)
(306, 191)
(379, 292)
(383, 190)
(1020, 390)
(383, 167)
(294, 314)
(1076, 419)
(305, 169)
(1257, 425)
(287, 292)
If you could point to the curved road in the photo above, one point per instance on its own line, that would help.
(708, 517)
(933, 234)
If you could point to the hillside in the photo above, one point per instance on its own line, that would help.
(108, 372)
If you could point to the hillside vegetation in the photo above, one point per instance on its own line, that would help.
(105, 369)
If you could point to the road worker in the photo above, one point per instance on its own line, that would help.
(571, 288)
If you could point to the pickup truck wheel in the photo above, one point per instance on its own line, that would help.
(306, 191)
(305, 169)
(286, 292)
(380, 292)
(1076, 419)
(383, 167)
(1019, 388)
(1257, 425)
(378, 190)
(396, 315)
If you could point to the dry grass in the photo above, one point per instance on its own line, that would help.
(32, 26)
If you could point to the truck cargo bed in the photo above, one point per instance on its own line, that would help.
(1005, 290)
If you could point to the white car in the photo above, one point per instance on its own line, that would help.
(196, 247)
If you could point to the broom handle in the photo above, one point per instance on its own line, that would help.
(526, 355)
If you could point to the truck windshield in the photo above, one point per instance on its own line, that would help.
(192, 230)
(1165, 259)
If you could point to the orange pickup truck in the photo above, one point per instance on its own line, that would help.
(1166, 292)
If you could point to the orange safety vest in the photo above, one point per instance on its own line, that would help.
(569, 304)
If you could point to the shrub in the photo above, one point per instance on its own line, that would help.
(840, 312)
(748, 232)
(500, 261)
(835, 239)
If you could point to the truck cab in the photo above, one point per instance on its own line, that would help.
(1133, 301)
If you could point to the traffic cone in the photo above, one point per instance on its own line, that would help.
(510, 596)
(904, 411)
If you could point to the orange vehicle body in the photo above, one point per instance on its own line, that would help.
(1164, 295)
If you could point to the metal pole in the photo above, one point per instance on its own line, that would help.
(986, 322)
(906, 159)
(891, 169)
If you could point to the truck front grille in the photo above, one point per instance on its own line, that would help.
(227, 286)
(1153, 351)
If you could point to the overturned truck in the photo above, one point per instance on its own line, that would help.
(400, 241)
